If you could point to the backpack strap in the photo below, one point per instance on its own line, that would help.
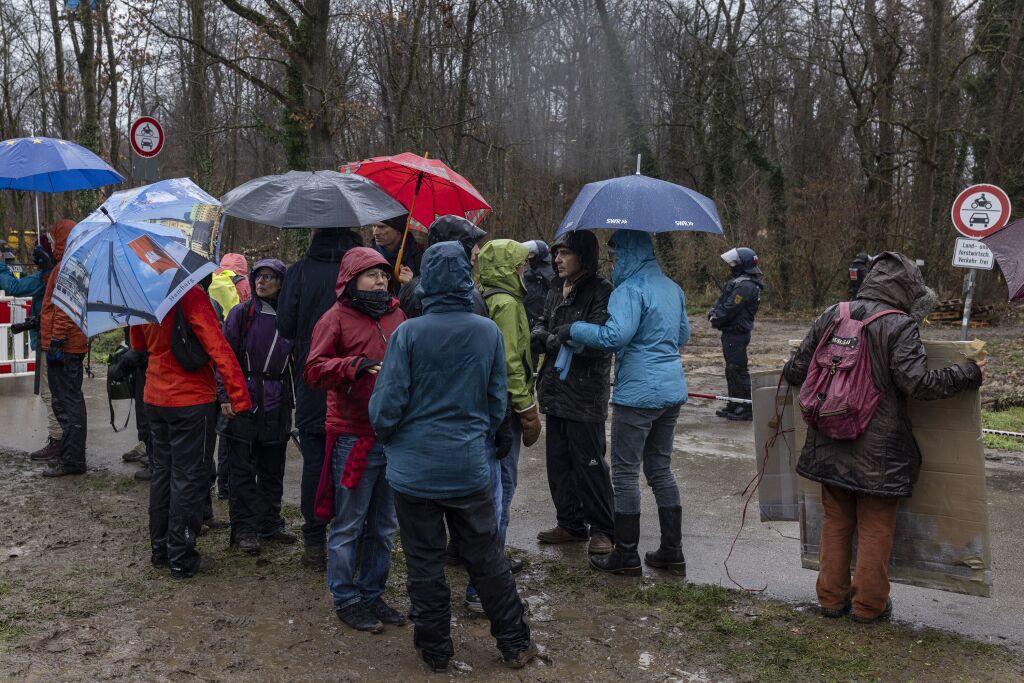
(876, 316)
(488, 293)
(844, 310)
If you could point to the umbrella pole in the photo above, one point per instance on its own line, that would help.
(35, 198)
(408, 222)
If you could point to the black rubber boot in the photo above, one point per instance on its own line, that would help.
(623, 560)
(670, 554)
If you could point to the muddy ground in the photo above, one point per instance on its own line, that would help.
(79, 602)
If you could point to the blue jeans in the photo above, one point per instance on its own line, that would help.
(495, 469)
(643, 438)
(363, 531)
(509, 477)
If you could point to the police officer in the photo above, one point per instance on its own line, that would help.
(858, 269)
(734, 316)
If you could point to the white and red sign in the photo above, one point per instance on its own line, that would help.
(146, 136)
(980, 210)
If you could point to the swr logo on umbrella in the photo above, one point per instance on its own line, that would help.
(152, 255)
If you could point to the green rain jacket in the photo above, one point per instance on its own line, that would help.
(504, 294)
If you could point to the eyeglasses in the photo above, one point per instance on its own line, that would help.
(378, 274)
(267, 277)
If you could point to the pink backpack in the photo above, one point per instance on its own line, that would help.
(838, 397)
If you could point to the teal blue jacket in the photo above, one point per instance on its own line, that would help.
(647, 325)
(33, 285)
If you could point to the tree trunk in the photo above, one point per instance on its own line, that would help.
(199, 114)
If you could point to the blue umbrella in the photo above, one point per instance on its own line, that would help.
(51, 165)
(117, 273)
(177, 203)
(638, 202)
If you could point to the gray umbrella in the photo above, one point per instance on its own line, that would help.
(311, 199)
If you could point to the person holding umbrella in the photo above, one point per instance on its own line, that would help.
(647, 327)
(64, 345)
(387, 241)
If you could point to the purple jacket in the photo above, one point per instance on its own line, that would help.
(251, 330)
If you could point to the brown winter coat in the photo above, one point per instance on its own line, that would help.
(885, 459)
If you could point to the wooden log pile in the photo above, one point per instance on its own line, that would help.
(950, 312)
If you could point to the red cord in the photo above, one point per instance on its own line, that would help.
(751, 488)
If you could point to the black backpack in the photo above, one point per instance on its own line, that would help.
(185, 345)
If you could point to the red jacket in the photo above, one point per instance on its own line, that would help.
(167, 384)
(53, 322)
(343, 336)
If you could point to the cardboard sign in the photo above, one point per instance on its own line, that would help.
(942, 535)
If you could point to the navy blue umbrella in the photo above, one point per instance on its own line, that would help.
(638, 202)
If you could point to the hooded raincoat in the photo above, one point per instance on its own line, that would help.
(53, 322)
(306, 295)
(342, 338)
(263, 354)
(441, 392)
(647, 325)
(231, 282)
(504, 294)
(885, 459)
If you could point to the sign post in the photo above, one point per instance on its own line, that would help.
(977, 212)
(147, 140)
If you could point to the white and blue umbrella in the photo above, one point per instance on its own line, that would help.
(117, 273)
(639, 202)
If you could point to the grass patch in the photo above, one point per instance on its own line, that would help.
(1010, 420)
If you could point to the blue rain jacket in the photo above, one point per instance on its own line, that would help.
(441, 392)
(646, 327)
(27, 285)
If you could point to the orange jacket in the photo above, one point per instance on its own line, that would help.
(53, 322)
(168, 385)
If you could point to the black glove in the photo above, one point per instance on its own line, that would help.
(538, 340)
(552, 345)
(563, 334)
(125, 366)
(42, 259)
(364, 365)
(55, 353)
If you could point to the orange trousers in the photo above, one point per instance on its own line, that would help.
(873, 518)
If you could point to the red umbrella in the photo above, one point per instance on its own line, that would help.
(426, 187)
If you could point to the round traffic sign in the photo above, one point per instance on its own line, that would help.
(146, 136)
(980, 210)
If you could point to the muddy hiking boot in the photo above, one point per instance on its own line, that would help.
(136, 454)
(743, 413)
(520, 658)
(623, 559)
(359, 617)
(886, 615)
(314, 557)
(48, 452)
(836, 612)
(724, 412)
(600, 544)
(560, 535)
(670, 555)
(144, 474)
(280, 536)
(386, 613)
(203, 566)
(249, 545)
(436, 664)
(59, 469)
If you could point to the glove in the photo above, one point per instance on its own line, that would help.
(530, 420)
(551, 345)
(563, 333)
(538, 340)
(55, 354)
(42, 259)
(364, 365)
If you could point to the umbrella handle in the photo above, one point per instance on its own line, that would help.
(408, 222)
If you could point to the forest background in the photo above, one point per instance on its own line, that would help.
(820, 127)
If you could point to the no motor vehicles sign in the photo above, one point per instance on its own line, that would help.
(146, 136)
(980, 210)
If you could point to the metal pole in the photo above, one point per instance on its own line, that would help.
(968, 301)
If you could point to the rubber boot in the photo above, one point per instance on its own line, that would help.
(624, 559)
(670, 554)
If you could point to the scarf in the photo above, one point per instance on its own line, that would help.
(373, 304)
